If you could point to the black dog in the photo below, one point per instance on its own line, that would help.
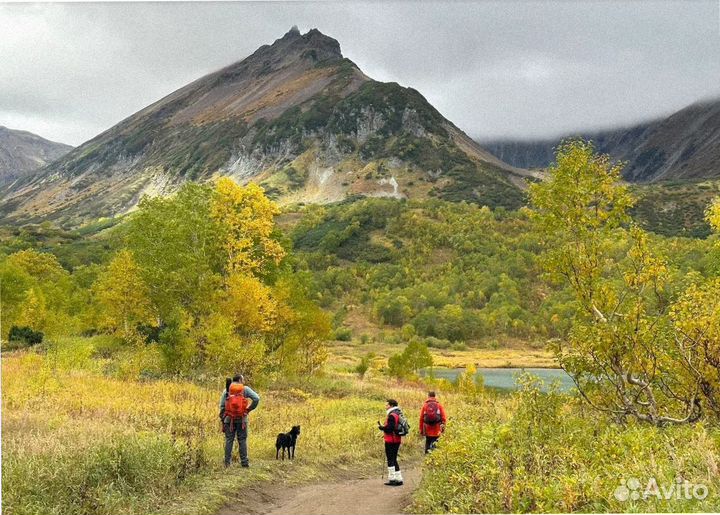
(287, 441)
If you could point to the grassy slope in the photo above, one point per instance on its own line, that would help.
(550, 454)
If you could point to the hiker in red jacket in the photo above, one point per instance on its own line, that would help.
(393, 429)
(432, 421)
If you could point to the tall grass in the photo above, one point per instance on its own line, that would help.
(76, 441)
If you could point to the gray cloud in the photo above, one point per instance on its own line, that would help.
(518, 69)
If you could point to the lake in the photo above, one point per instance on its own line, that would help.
(506, 378)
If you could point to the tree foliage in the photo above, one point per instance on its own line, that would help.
(123, 297)
(36, 292)
(177, 246)
(246, 218)
(623, 351)
(407, 363)
(199, 278)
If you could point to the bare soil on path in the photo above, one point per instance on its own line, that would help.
(359, 496)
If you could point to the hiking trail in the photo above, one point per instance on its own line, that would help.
(360, 496)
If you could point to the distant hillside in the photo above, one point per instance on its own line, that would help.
(685, 145)
(675, 208)
(296, 117)
(23, 152)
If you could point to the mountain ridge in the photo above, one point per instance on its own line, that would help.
(22, 152)
(682, 146)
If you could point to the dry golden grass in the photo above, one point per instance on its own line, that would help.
(347, 354)
(75, 441)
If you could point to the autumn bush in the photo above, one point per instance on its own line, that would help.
(407, 363)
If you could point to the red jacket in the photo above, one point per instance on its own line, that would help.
(392, 421)
(432, 429)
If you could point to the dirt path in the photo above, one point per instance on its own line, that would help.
(361, 496)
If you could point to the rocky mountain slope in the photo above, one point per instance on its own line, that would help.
(683, 146)
(23, 152)
(296, 117)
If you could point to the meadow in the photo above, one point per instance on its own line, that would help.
(79, 438)
(348, 353)
(76, 440)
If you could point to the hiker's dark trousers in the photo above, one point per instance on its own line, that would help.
(391, 451)
(430, 443)
(236, 429)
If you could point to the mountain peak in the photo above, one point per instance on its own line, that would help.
(295, 117)
(312, 45)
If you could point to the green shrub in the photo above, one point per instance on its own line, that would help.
(342, 334)
(72, 353)
(436, 343)
(413, 358)
(362, 367)
(107, 345)
(459, 346)
(25, 335)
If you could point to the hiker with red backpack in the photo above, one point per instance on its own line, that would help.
(234, 411)
(395, 427)
(432, 421)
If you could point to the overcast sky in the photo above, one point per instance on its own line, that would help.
(496, 69)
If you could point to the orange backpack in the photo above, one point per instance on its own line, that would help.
(236, 403)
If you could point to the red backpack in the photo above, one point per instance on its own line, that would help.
(236, 403)
(432, 414)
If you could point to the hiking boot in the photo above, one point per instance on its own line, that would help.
(394, 477)
(391, 477)
(245, 465)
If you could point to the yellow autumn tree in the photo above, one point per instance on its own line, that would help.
(247, 220)
(122, 297)
(301, 329)
(41, 265)
(621, 349)
(226, 350)
(310, 330)
(45, 303)
(696, 320)
(211, 258)
(713, 214)
(249, 304)
(33, 311)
